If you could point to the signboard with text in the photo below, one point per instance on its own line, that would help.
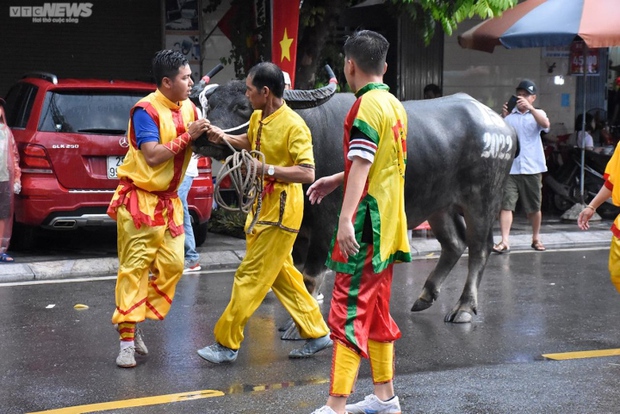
(577, 59)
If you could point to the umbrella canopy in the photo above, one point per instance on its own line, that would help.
(541, 23)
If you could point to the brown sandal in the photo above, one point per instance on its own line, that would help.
(538, 246)
(501, 248)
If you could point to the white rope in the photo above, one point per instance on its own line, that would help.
(226, 131)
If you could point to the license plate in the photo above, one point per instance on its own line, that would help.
(114, 162)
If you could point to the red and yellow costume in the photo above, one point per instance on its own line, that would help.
(359, 317)
(149, 217)
(285, 140)
(612, 182)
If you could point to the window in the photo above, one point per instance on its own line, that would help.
(74, 112)
(19, 103)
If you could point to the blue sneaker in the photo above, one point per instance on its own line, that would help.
(311, 347)
(218, 354)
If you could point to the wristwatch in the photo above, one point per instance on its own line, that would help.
(271, 170)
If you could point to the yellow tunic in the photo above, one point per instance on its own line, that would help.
(383, 119)
(285, 140)
(149, 193)
(612, 182)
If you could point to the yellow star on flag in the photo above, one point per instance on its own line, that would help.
(285, 45)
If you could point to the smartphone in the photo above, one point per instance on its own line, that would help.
(512, 102)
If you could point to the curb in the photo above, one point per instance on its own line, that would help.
(421, 248)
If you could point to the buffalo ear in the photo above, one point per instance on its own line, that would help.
(242, 109)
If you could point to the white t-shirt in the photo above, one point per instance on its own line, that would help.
(192, 167)
(531, 158)
(588, 142)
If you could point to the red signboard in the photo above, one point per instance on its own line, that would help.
(577, 58)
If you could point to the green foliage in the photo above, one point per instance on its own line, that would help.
(226, 222)
(449, 13)
(311, 16)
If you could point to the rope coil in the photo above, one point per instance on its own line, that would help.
(245, 179)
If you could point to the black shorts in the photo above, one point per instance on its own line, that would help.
(524, 187)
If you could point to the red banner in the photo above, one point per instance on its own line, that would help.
(284, 29)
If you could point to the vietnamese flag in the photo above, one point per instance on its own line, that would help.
(284, 29)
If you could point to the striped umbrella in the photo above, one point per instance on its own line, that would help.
(540, 23)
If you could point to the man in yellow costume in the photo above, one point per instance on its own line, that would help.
(148, 213)
(372, 231)
(610, 188)
(284, 139)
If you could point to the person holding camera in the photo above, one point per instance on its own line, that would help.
(525, 180)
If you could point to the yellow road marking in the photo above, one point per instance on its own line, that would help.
(136, 402)
(583, 354)
(180, 397)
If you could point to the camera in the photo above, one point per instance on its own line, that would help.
(512, 102)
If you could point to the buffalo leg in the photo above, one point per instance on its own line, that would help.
(480, 240)
(291, 333)
(449, 229)
(310, 257)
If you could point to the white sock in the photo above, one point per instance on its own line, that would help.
(127, 344)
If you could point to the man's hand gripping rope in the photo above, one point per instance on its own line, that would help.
(246, 179)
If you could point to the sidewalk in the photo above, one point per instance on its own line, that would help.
(555, 234)
(225, 252)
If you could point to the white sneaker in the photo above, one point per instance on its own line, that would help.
(324, 410)
(138, 341)
(373, 405)
(126, 358)
(194, 268)
(139, 344)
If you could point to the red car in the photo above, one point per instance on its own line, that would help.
(71, 136)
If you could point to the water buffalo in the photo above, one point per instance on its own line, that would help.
(459, 155)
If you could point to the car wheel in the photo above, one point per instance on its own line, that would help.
(23, 237)
(200, 232)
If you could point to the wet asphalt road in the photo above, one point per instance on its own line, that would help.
(56, 357)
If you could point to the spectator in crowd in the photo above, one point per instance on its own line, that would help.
(192, 257)
(10, 183)
(432, 91)
(525, 179)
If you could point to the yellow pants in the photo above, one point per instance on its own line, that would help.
(139, 251)
(346, 362)
(614, 262)
(268, 263)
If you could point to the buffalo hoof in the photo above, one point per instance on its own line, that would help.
(286, 325)
(460, 316)
(291, 333)
(421, 304)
